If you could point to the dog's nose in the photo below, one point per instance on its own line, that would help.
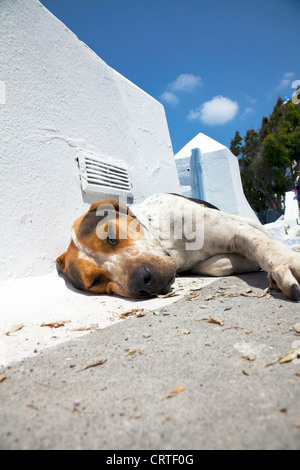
(144, 283)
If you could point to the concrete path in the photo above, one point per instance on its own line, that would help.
(29, 302)
(192, 375)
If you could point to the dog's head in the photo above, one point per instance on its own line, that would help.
(111, 253)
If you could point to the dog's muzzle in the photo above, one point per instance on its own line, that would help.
(144, 282)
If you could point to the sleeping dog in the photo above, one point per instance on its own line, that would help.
(136, 251)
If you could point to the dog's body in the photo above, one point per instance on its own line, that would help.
(135, 252)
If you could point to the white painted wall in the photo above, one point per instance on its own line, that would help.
(287, 227)
(56, 96)
(220, 176)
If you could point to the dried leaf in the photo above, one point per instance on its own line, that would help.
(250, 358)
(227, 308)
(86, 328)
(290, 356)
(94, 364)
(233, 328)
(14, 328)
(216, 321)
(32, 406)
(247, 293)
(2, 377)
(82, 328)
(193, 297)
(210, 320)
(135, 312)
(272, 363)
(44, 384)
(297, 327)
(170, 294)
(196, 289)
(283, 409)
(248, 372)
(136, 416)
(56, 324)
(175, 392)
(134, 351)
(209, 297)
(266, 293)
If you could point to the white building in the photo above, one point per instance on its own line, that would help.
(209, 171)
(287, 227)
(56, 97)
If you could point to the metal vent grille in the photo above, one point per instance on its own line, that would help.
(103, 175)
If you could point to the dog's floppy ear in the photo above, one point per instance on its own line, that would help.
(61, 261)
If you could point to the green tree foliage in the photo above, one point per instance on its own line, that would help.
(269, 158)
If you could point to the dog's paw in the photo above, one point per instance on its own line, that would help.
(286, 279)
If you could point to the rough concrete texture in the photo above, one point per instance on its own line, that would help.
(225, 401)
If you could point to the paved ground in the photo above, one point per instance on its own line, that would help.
(224, 395)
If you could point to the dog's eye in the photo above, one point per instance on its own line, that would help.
(96, 282)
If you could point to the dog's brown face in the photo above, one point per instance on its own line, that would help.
(111, 253)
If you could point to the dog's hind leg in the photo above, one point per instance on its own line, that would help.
(225, 265)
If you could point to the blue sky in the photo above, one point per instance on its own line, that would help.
(217, 66)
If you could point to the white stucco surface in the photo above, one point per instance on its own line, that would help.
(287, 227)
(220, 175)
(57, 96)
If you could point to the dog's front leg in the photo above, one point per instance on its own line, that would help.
(281, 262)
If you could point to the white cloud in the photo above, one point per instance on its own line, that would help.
(286, 81)
(185, 82)
(195, 114)
(248, 111)
(251, 100)
(218, 111)
(170, 98)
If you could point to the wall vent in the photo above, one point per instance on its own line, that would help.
(103, 175)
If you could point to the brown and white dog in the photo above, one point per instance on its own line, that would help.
(136, 251)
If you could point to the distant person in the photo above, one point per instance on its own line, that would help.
(297, 186)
